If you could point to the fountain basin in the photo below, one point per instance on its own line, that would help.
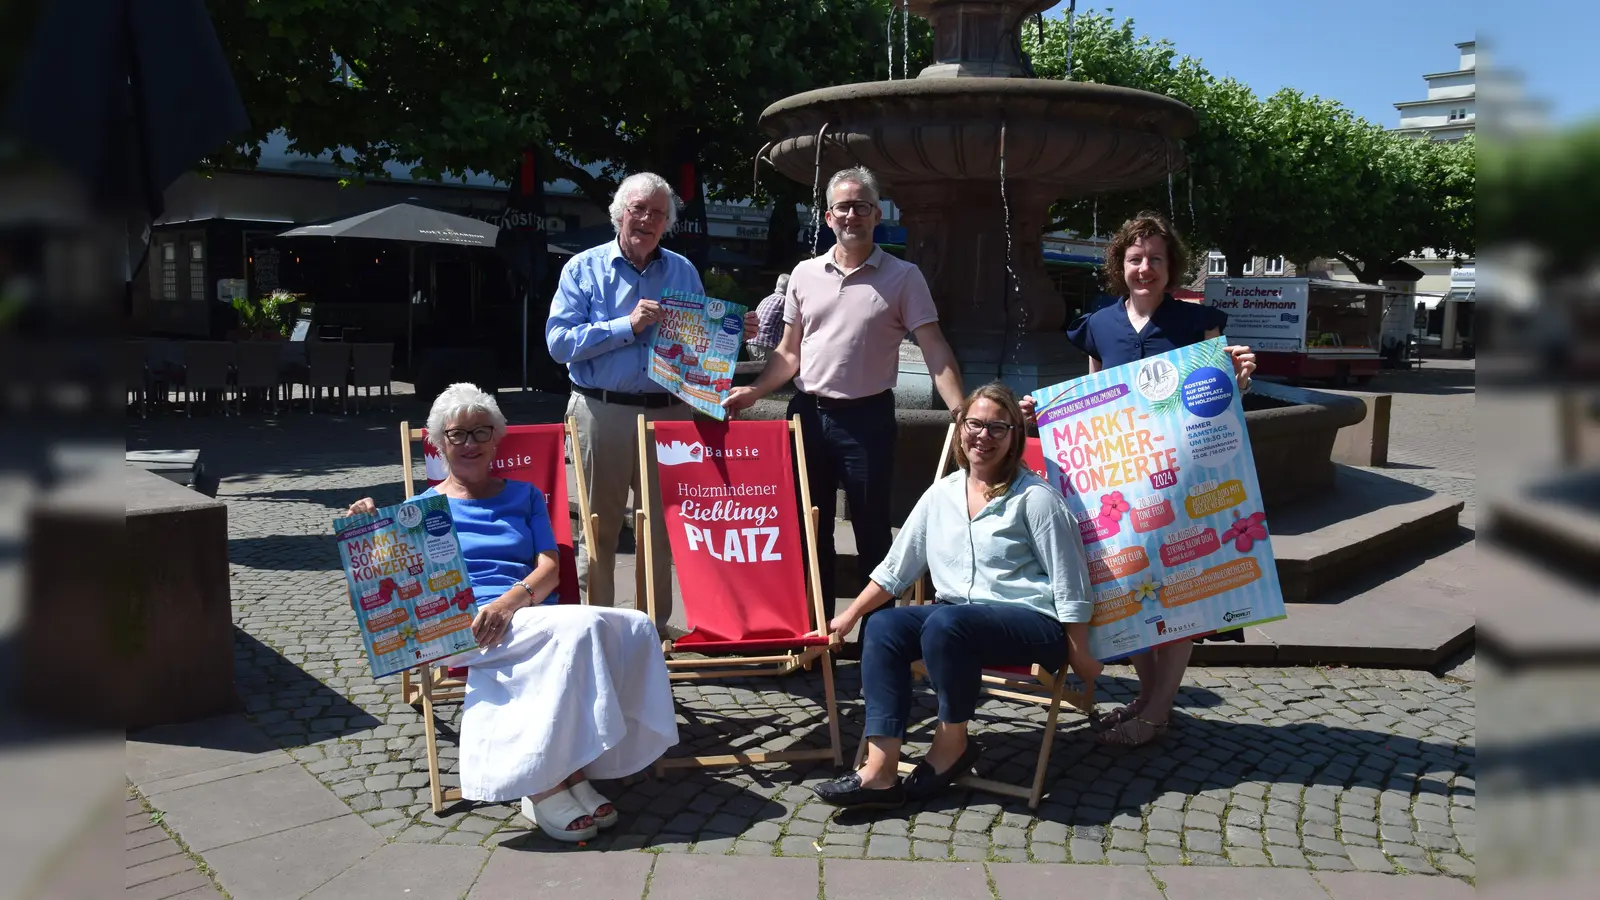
(1077, 138)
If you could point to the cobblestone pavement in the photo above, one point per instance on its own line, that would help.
(1325, 768)
(1432, 428)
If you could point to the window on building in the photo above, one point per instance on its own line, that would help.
(1216, 264)
(197, 270)
(1458, 113)
(1250, 266)
(168, 272)
(1275, 265)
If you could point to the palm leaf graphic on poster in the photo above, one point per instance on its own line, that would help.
(1207, 354)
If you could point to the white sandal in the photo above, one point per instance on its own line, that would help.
(591, 800)
(554, 813)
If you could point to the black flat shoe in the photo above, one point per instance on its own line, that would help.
(924, 782)
(846, 792)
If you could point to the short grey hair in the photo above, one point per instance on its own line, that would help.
(783, 283)
(456, 401)
(645, 185)
(856, 175)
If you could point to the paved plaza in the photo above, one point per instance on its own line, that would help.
(1286, 781)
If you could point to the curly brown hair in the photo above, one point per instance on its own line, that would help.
(1145, 225)
(1002, 396)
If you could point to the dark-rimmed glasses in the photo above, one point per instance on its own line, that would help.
(483, 434)
(996, 430)
(859, 207)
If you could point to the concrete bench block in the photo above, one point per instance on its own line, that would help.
(1365, 443)
(129, 622)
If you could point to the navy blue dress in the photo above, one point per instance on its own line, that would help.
(1107, 335)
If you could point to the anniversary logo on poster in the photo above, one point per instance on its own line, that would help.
(1154, 460)
(696, 344)
(407, 583)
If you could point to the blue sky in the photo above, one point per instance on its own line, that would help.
(1368, 54)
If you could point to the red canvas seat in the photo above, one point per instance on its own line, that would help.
(751, 594)
(532, 453)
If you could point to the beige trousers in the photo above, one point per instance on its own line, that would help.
(609, 434)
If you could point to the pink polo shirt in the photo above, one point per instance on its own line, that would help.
(851, 325)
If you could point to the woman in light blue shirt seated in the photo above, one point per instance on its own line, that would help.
(1011, 587)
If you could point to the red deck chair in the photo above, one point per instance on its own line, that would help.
(531, 453)
(1029, 684)
(751, 600)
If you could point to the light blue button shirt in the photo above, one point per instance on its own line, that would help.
(588, 328)
(1023, 549)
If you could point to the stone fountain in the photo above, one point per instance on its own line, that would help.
(940, 143)
(974, 151)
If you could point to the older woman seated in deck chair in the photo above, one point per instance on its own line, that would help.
(1012, 589)
(555, 694)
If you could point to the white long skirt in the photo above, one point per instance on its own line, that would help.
(572, 688)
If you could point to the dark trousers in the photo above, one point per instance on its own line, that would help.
(851, 446)
(955, 641)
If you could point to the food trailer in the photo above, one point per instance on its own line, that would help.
(1308, 329)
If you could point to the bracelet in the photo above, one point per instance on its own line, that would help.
(529, 588)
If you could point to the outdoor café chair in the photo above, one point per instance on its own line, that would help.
(207, 366)
(330, 368)
(373, 367)
(136, 375)
(540, 458)
(744, 625)
(258, 369)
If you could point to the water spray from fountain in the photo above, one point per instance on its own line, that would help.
(816, 195)
(905, 36)
(1072, 22)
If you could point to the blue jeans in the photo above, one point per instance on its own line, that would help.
(955, 641)
(853, 447)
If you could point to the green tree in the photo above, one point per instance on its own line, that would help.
(448, 86)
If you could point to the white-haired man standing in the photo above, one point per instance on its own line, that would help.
(602, 322)
(850, 308)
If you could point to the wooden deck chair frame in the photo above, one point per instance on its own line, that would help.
(734, 666)
(1040, 686)
(433, 684)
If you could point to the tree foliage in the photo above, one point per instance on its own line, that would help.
(1289, 175)
(448, 86)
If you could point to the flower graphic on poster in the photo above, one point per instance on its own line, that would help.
(1113, 505)
(1145, 590)
(1246, 530)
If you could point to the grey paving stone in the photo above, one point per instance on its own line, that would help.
(1287, 857)
(1085, 851)
(888, 846)
(874, 880)
(1204, 883)
(1015, 881)
(1203, 842)
(294, 862)
(1128, 857)
(1247, 856)
(225, 812)
(1156, 854)
(394, 869)
(1370, 886)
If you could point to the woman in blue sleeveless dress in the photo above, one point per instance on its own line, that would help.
(1142, 261)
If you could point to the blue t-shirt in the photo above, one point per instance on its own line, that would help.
(1107, 335)
(500, 536)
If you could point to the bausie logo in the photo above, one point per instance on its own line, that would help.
(677, 453)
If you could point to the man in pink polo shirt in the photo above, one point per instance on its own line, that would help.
(847, 311)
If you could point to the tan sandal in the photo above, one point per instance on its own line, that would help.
(1133, 732)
